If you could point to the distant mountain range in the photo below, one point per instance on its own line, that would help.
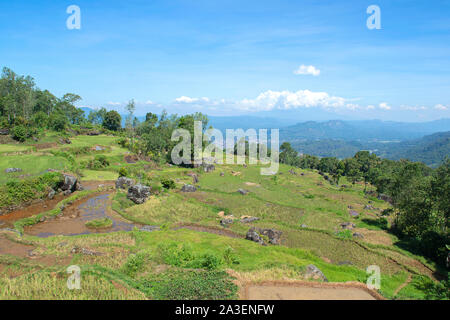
(365, 130)
(418, 141)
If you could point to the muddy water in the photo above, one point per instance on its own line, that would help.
(74, 218)
(7, 220)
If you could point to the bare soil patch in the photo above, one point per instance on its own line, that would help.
(303, 290)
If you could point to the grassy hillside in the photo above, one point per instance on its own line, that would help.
(192, 249)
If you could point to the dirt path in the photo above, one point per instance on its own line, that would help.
(301, 290)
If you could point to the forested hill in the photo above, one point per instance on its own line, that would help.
(430, 149)
(370, 130)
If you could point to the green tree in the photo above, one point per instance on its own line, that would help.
(112, 121)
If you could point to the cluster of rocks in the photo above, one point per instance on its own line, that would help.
(13, 170)
(293, 172)
(93, 133)
(138, 193)
(255, 235)
(65, 141)
(208, 167)
(71, 184)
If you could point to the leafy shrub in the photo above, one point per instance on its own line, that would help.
(19, 192)
(19, 133)
(57, 121)
(191, 285)
(134, 264)
(229, 256)
(123, 172)
(168, 183)
(434, 291)
(184, 257)
(99, 162)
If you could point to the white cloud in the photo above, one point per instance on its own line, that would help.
(285, 100)
(384, 106)
(114, 103)
(412, 108)
(184, 99)
(148, 102)
(370, 107)
(440, 107)
(307, 70)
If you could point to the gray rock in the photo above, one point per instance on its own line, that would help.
(150, 228)
(304, 226)
(51, 194)
(79, 187)
(139, 193)
(70, 183)
(347, 225)
(67, 192)
(99, 148)
(188, 188)
(225, 222)
(222, 174)
(12, 170)
(353, 213)
(243, 192)
(124, 183)
(312, 272)
(208, 167)
(4, 132)
(292, 172)
(345, 263)
(358, 235)
(249, 219)
(368, 207)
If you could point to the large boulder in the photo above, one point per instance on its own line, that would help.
(139, 193)
(70, 183)
(252, 235)
(12, 170)
(347, 225)
(273, 235)
(124, 183)
(4, 132)
(312, 272)
(188, 188)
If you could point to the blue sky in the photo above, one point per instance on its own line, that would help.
(239, 57)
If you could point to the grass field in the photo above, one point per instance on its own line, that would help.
(171, 264)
